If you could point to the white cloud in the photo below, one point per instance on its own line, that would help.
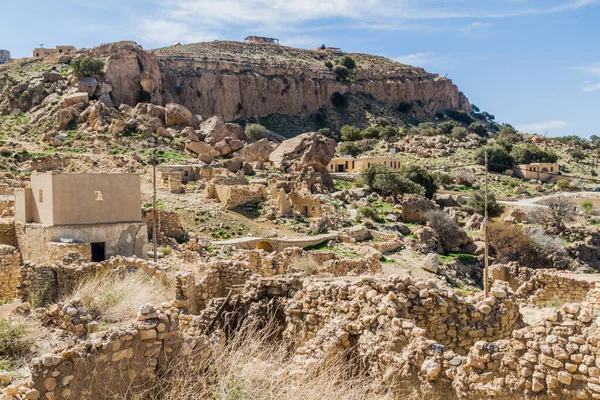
(540, 127)
(193, 18)
(477, 28)
(595, 87)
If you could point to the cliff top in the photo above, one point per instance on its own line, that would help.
(273, 55)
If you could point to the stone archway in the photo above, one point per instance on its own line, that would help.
(264, 245)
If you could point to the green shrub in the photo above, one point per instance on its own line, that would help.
(165, 250)
(460, 116)
(87, 66)
(341, 73)
(446, 127)
(371, 132)
(383, 122)
(562, 184)
(347, 62)
(255, 132)
(587, 207)
(577, 154)
(328, 64)
(350, 148)
(350, 133)
(477, 202)
(404, 107)
(421, 177)
(478, 128)
(368, 212)
(459, 133)
(339, 100)
(388, 132)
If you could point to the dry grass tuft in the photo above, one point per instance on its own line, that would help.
(116, 298)
(305, 263)
(252, 366)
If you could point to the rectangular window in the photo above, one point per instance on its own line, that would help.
(40, 196)
(98, 195)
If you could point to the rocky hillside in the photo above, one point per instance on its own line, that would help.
(237, 80)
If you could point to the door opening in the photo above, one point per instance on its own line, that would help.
(98, 252)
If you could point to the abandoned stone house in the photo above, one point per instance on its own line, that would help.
(260, 39)
(95, 215)
(352, 165)
(544, 172)
(43, 52)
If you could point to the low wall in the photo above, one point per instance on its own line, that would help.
(547, 285)
(276, 244)
(7, 232)
(112, 364)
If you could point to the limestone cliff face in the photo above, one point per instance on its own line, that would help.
(248, 80)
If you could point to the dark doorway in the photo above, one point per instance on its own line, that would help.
(98, 252)
(341, 168)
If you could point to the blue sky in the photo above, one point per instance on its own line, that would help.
(532, 63)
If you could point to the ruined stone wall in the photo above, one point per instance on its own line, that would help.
(236, 195)
(56, 251)
(549, 285)
(10, 271)
(111, 364)
(222, 277)
(46, 283)
(7, 232)
(169, 224)
(445, 317)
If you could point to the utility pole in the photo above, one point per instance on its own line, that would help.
(485, 233)
(153, 162)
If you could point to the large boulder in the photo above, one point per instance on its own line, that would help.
(202, 148)
(257, 151)
(88, 85)
(414, 208)
(474, 223)
(176, 114)
(77, 98)
(307, 150)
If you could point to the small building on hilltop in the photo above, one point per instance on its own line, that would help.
(4, 56)
(95, 215)
(261, 39)
(545, 172)
(43, 52)
(353, 165)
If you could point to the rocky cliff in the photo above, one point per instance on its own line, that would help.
(236, 80)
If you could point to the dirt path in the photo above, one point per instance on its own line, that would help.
(534, 201)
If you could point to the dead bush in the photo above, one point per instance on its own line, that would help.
(305, 263)
(512, 243)
(446, 228)
(559, 211)
(254, 366)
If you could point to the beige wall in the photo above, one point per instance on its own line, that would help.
(353, 165)
(74, 201)
(41, 211)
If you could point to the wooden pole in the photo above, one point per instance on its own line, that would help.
(485, 233)
(154, 240)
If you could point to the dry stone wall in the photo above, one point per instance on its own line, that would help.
(10, 271)
(7, 232)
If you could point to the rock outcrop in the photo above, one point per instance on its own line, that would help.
(307, 150)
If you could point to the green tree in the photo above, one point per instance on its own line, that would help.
(421, 177)
(341, 73)
(498, 158)
(389, 182)
(350, 133)
(530, 153)
(328, 64)
(562, 184)
(350, 148)
(383, 122)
